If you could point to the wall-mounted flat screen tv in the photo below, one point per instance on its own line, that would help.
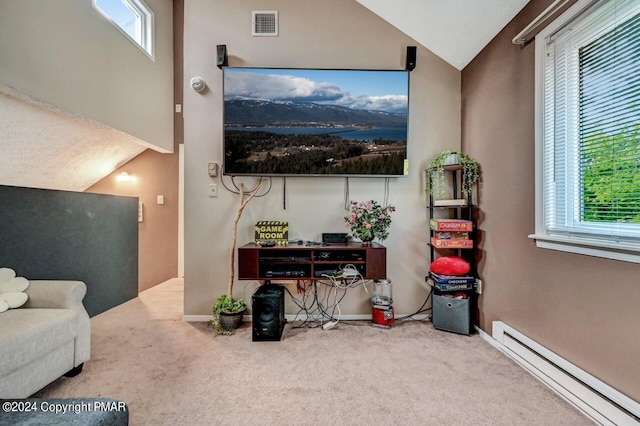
(312, 122)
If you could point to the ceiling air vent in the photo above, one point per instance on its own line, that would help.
(265, 23)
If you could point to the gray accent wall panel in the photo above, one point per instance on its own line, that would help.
(62, 235)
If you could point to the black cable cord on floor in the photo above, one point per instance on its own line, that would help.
(420, 310)
(317, 307)
(301, 304)
(326, 311)
(337, 301)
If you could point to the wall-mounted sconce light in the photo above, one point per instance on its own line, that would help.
(125, 177)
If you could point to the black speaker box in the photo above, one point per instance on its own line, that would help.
(221, 56)
(267, 305)
(411, 58)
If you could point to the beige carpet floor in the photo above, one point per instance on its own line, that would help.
(176, 373)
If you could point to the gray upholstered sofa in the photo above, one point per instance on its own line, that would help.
(48, 337)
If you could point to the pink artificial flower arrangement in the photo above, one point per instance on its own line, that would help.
(368, 220)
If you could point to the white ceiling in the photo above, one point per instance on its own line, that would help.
(455, 30)
(45, 147)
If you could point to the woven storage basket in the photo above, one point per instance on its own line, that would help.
(231, 321)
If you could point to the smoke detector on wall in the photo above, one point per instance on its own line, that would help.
(197, 84)
(264, 23)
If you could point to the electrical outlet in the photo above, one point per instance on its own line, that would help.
(213, 190)
(478, 286)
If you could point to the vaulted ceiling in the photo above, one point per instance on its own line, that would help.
(45, 147)
(455, 30)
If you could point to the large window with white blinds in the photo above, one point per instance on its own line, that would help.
(588, 130)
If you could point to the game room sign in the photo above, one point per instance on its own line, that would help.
(268, 231)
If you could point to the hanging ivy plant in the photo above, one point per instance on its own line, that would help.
(436, 176)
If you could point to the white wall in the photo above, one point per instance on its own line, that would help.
(63, 52)
(313, 34)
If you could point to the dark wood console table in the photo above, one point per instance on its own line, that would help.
(310, 262)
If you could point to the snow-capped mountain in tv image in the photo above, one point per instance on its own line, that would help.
(261, 113)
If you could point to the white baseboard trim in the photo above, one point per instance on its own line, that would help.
(196, 318)
(487, 337)
(291, 317)
(594, 398)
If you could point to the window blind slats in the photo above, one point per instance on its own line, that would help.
(608, 90)
(592, 124)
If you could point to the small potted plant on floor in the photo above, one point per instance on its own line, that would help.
(227, 313)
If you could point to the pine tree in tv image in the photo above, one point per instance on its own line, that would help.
(315, 122)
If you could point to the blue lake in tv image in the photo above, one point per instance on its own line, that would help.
(315, 122)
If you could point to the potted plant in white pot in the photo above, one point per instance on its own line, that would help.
(227, 313)
(436, 177)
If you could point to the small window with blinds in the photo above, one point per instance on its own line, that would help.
(588, 131)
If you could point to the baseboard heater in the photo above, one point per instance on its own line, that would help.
(597, 400)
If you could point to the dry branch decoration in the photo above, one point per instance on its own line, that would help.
(234, 234)
(227, 313)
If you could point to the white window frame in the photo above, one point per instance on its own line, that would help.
(627, 250)
(144, 25)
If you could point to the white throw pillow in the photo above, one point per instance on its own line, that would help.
(14, 299)
(16, 284)
(12, 289)
(7, 274)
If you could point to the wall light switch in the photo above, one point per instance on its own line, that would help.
(160, 199)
